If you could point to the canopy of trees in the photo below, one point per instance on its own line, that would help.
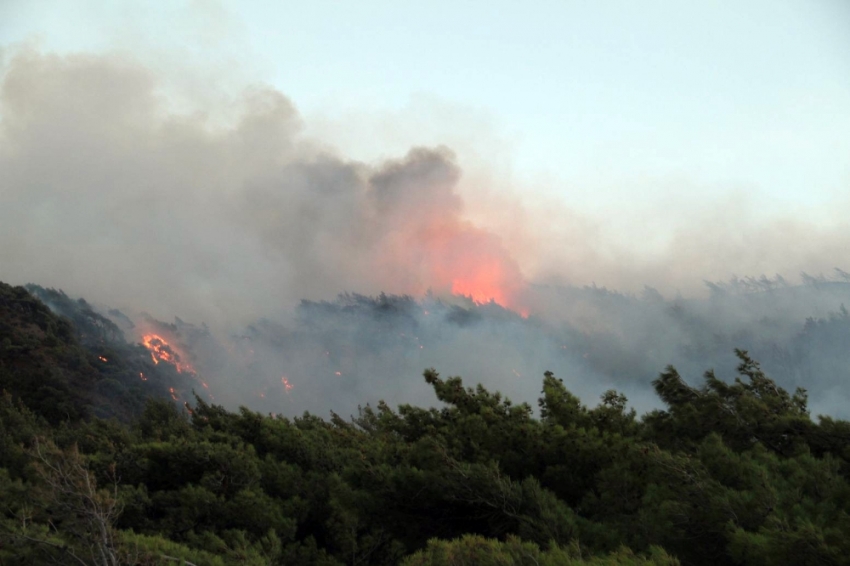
(727, 473)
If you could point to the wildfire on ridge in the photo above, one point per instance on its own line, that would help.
(463, 260)
(491, 279)
(162, 351)
(482, 286)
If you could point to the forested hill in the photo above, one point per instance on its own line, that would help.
(100, 467)
(68, 370)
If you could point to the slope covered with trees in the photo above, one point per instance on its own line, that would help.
(74, 366)
(730, 472)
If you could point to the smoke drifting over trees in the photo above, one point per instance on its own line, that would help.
(339, 354)
(228, 217)
(108, 192)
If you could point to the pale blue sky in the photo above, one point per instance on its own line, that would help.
(603, 100)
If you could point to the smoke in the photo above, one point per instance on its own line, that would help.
(229, 214)
(111, 195)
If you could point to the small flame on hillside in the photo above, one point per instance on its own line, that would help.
(162, 351)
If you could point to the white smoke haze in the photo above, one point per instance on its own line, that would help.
(229, 213)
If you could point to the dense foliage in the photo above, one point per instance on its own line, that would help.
(75, 366)
(734, 473)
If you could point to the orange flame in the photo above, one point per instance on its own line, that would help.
(483, 283)
(477, 266)
(453, 256)
(162, 351)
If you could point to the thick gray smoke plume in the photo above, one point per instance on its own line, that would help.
(105, 193)
(229, 216)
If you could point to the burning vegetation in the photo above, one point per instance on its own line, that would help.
(209, 486)
(162, 351)
(167, 352)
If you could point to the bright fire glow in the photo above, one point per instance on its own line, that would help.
(162, 351)
(484, 281)
(456, 257)
(286, 385)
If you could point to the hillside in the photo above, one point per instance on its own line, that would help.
(727, 473)
(66, 371)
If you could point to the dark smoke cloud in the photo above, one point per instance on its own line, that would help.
(106, 193)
